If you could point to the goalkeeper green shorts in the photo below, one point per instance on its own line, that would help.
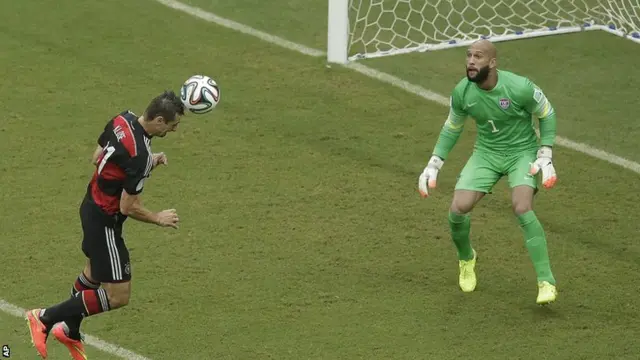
(484, 169)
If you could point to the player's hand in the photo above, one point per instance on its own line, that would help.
(159, 159)
(543, 163)
(168, 218)
(427, 179)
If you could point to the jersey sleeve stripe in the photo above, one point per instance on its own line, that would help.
(545, 110)
(451, 125)
(454, 121)
(129, 138)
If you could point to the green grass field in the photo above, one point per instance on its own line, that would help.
(302, 234)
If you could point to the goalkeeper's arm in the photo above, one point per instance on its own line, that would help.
(449, 135)
(446, 141)
(452, 127)
(537, 104)
(547, 118)
(543, 110)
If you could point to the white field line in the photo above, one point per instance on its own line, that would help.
(379, 75)
(89, 340)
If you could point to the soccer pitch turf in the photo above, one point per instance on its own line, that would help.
(302, 234)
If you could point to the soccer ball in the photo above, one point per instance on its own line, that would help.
(200, 94)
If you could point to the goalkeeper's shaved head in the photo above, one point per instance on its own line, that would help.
(485, 46)
(482, 62)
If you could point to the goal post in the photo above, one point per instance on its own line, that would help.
(338, 31)
(362, 29)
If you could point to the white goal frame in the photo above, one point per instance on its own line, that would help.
(338, 36)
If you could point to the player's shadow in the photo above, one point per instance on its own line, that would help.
(544, 312)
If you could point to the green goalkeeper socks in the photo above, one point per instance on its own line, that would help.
(460, 227)
(536, 243)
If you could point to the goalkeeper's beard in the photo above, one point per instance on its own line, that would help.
(481, 75)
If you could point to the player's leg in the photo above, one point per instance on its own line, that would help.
(460, 220)
(68, 332)
(534, 235)
(476, 179)
(108, 259)
(84, 282)
(109, 264)
(523, 188)
(117, 296)
(40, 331)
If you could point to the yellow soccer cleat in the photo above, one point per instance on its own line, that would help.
(546, 293)
(467, 278)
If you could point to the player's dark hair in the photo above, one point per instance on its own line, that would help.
(167, 105)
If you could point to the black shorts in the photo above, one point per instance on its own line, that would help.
(103, 244)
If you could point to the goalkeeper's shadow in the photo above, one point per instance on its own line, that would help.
(545, 312)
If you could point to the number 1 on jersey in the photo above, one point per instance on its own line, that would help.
(109, 151)
(495, 129)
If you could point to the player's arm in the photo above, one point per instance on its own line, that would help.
(103, 139)
(451, 129)
(159, 159)
(447, 139)
(96, 155)
(131, 204)
(539, 106)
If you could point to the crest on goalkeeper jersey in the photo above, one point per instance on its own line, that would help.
(504, 103)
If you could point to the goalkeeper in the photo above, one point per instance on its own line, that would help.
(502, 104)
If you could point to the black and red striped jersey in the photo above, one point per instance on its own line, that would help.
(126, 161)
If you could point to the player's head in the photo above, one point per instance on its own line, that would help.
(481, 60)
(163, 114)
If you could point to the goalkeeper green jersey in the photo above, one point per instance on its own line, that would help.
(503, 116)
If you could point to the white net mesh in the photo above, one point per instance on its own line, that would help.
(386, 27)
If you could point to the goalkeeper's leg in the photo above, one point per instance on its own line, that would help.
(460, 221)
(476, 179)
(523, 189)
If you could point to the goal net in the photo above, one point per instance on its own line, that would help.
(376, 28)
